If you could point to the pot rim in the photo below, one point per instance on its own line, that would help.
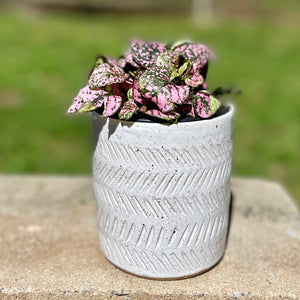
(227, 113)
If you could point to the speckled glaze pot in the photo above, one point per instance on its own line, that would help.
(163, 194)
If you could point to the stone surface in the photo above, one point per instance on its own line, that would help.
(49, 246)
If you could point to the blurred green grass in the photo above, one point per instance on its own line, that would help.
(45, 60)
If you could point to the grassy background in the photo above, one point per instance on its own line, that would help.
(45, 59)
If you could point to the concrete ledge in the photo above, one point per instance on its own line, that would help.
(49, 246)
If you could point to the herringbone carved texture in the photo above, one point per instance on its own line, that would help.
(162, 213)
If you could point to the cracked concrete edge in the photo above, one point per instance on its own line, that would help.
(76, 295)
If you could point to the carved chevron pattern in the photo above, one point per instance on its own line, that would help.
(162, 264)
(164, 258)
(158, 236)
(162, 211)
(161, 184)
(130, 204)
(128, 155)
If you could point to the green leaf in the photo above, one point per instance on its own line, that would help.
(183, 68)
(130, 94)
(88, 106)
(187, 65)
(100, 59)
(214, 104)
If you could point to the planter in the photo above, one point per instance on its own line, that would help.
(163, 194)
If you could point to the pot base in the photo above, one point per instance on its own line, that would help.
(167, 278)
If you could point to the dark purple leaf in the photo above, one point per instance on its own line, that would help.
(187, 110)
(171, 116)
(119, 89)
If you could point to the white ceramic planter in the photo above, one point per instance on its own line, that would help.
(163, 194)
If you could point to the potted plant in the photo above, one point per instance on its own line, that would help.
(162, 162)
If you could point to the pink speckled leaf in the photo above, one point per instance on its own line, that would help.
(151, 81)
(171, 116)
(129, 108)
(145, 53)
(101, 59)
(165, 62)
(194, 80)
(106, 74)
(179, 93)
(85, 95)
(170, 94)
(112, 104)
(201, 104)
(136, 94)
(122, 62)
(74, 107)
(214, 103)
(129, 59)
(113, 62)
(197, 53)
(164, 104)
